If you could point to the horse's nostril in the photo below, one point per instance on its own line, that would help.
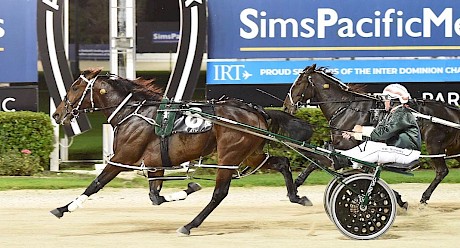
(55, 116)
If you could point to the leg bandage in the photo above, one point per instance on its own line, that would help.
(181, 195)
(77, 203)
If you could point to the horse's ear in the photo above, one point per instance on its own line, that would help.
(94, 72)
(311, 68)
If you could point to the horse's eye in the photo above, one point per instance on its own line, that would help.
(74, 88)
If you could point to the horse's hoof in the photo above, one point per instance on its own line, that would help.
(194, 187)
(57, 213)
(157, 200)
(182, 231)
(405, 206)
(304, 201)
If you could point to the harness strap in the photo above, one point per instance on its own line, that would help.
(135, 113)
(123, 103)
(241, 175)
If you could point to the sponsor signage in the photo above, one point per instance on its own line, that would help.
(333, 28)
(17, 98)
(157, 37)
(165, 37)
(348, 71)
(269, 41)
(18, 41)
(274, 94)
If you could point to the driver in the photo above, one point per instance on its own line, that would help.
(395, 139)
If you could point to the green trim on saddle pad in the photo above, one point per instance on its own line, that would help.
(166, 114)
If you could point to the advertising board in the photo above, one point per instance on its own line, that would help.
(333, 28)
(19, 98)
(349, 71)
(18, 41)
(263, 45)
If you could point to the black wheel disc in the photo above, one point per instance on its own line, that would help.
(356, 219)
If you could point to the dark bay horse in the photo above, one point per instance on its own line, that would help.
(136, 143)
(344, 108)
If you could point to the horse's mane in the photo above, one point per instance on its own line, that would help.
(141, 88)
(358, 88)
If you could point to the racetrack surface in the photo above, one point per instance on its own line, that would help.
(248, 217)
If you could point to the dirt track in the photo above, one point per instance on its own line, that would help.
(256, 217)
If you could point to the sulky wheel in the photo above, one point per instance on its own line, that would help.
(328, 195)
(330, 189)
(356, 219)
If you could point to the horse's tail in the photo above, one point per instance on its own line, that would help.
(285, 124)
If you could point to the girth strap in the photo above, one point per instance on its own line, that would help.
(164, 147)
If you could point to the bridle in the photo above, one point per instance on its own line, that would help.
(289, 94)
(75, 111)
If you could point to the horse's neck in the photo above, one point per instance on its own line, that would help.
(331, 103)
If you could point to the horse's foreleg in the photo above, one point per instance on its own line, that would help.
(441, 172)
(109, 173)
(156, 185)
(282, 165)
(223, 179)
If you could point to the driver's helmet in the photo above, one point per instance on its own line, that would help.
(396, 91)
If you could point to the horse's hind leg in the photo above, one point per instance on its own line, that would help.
(282, 165)
(399, 200)
(223, 179)
(302, 177)
(109, 173)
(441, 172)
(156, 185)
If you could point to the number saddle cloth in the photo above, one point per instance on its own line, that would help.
(171, 119)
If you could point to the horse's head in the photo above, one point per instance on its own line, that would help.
(300, 91)
(92, 91)
(315, 83)
(79, 96)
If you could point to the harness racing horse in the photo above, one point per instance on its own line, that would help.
(340, 105)
(439, 139)
(136, 144)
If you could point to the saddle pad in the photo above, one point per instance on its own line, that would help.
(193, 123)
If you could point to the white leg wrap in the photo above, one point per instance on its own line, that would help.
(77, 203)
(181, 195)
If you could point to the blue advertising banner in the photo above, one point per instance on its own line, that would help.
(348, 71)
(18, 41)
(241, 29)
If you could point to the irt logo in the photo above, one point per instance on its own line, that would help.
(230, 72)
